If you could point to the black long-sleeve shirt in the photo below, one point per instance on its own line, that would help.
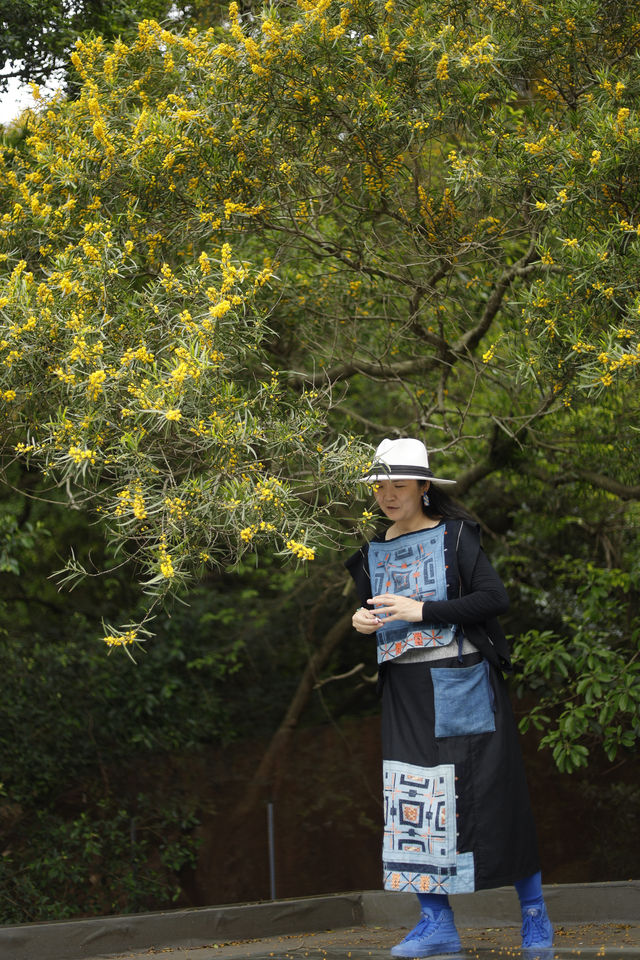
(484, 594)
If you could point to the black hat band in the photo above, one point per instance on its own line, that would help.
(420, 473)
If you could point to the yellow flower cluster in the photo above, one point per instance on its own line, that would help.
(122, 639)
(81, 455)
(248, 533)
(300, 550)
(442, 67)
(166, 565)
(96, 383)
(131, 498)
(268, 490)
(177, 507)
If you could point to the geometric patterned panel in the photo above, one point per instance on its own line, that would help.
(420, 835)
(413, 567)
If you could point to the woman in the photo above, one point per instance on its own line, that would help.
(457, 812)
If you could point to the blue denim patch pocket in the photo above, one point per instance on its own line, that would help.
(463, 700)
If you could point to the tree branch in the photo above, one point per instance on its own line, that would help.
(503, 445)
(623, 491)
(339, 676)
(470, 340)
(447, 354)
(377, 371)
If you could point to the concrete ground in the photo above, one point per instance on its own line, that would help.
(591, 921)
(613, 941)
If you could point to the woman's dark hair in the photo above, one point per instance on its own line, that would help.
(442, 505)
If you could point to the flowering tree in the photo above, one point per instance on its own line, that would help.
(217, 248)
(134, 351)
(36, 40)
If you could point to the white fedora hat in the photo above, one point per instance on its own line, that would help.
(405, 459)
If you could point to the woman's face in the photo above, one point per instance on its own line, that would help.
(400, 500)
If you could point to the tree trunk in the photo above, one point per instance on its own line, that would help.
(278, 744)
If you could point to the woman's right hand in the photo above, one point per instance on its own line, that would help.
(364, 621)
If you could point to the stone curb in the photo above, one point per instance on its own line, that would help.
(567, 903)
(108, 936)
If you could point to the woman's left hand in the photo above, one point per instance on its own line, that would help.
(391, 606)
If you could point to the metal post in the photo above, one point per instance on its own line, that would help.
(272, 858)
(133, 836)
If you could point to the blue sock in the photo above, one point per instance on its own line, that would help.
(530, 890)
(435, 901)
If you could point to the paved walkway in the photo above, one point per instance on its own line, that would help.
(591, 920)
(615, 941)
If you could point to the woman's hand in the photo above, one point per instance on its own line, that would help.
(364, 621)
(391, 606)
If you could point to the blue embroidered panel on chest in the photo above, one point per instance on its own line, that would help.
(414, 566)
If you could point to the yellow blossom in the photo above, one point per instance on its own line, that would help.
(218, 310)
(95, 384)
(80, 454)
(300, 550)
(442, 67)
(121, 639)
(138, 505)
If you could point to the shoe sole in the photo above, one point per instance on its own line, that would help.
(434, 951)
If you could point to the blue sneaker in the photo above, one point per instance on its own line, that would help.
(537, 932)
(432, 935)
